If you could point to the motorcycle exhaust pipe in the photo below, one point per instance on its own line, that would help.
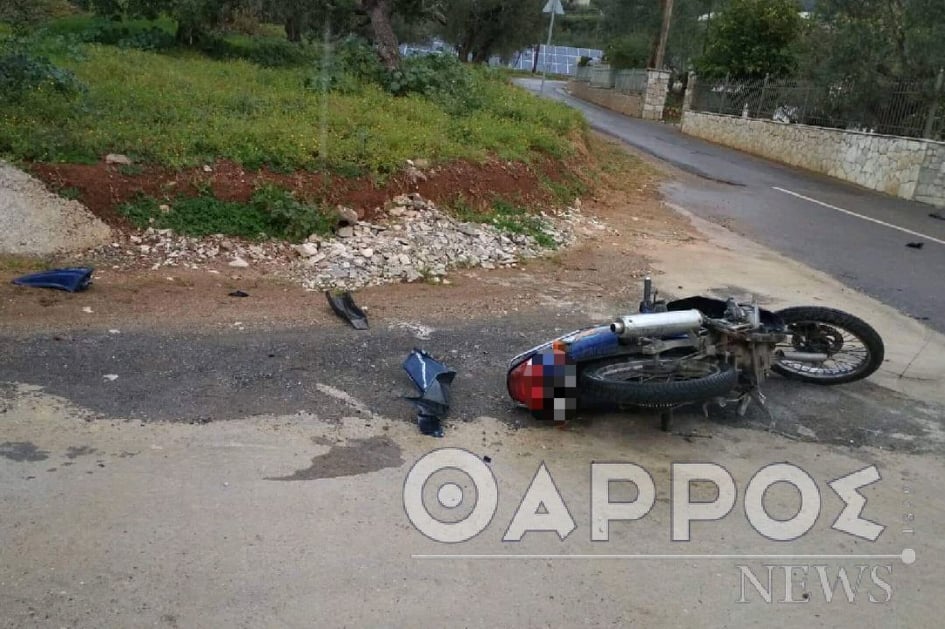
(656, 323)
(803, 357)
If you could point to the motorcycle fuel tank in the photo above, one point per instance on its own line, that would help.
(656, 323)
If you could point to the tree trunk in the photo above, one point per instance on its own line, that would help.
(481, 55)
(384, 39)
(535, 59)
(293, 32)
(187, 33)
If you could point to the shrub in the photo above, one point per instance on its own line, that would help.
(271, 213)
(292, 219)
(269, 52)
(22, 73)
(439, 77)
(346, 68)
(631, 51)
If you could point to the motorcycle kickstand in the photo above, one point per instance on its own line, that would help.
(746, 398)
(666, 419)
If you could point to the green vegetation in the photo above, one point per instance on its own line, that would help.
(751, 39)
(506, 217)
(271, 213)
(180, 108)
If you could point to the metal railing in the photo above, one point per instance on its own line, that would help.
(602, 76)
(897, 107)
(630, 81)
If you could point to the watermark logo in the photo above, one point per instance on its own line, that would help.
(542, 507)
(451, 496)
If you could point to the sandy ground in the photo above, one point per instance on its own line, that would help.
(298, 519)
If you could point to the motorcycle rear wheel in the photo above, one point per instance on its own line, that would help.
(655, 382)
(854, 348)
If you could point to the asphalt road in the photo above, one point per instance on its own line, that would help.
(766, 201)
(212, 376)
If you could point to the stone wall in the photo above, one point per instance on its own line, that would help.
(931, 185)
(657, 85)
(626, 104)
(647, 104)
(904, 167)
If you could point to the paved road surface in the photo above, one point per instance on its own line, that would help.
(766, 201)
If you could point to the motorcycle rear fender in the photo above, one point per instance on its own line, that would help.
(584, 344)
(579, 346)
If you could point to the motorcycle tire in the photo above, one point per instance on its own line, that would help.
(825, 321)
(618, 381)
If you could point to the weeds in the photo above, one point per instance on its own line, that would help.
(507, 218)
(271, 213)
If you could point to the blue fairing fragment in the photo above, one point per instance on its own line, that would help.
(70, 279)
(591, 343)
(424, 370)
(432, 379)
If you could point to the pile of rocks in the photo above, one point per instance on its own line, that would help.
(414, 241)
(417, 241)
(163, 248)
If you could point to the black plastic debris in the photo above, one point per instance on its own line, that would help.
(937, 215)
(72, 279)
(238, 293)
(432, 379)
(344, 307)
(915, 245)
(486, 458)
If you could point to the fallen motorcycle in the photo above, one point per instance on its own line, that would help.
(691, 351)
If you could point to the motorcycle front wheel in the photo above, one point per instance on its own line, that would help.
(655, 381)
(854, 350)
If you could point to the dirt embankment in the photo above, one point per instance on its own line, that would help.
(600, 272)
(104, 187)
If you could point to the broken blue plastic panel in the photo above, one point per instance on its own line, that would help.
(72, 279)
(432, 379)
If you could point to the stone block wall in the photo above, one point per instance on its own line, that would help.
(909, 168)
(657, 86)
(626, 104)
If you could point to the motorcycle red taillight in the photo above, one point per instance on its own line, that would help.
(532, 383)
(525, 385)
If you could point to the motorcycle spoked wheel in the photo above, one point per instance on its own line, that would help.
(854, 348)
(655, 381)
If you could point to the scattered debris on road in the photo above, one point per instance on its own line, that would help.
(344, 306)
(915, 245)
(71, 279)
(432, 379)
(238, 293)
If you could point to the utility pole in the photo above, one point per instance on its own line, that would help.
(553, 7)
(664, 33)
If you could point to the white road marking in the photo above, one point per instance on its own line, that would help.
(865, 218)
(346, 398)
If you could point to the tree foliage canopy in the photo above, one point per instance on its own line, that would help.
(751, 39)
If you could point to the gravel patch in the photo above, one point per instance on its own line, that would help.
(34, 221)
(414, 241)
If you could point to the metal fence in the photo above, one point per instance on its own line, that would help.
(603, 76)
(558, 59)
(630, 81)
(905, 108)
